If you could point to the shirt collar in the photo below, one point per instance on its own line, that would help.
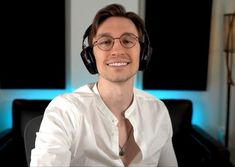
(104, 109)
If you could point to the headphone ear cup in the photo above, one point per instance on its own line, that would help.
(145, 56)
(89, 60)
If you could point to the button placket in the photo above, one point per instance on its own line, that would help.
(114, 137)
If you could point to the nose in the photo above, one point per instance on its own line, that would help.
(117, 44)
(117, 48)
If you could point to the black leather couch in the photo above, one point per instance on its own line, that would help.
(193, 146)
(12, 151)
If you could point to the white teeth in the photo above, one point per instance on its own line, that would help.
(117, 64)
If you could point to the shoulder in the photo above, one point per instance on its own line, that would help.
(72, 100)
(151, 107)
(70, 107)
(156, 113)
(84, 91)
(141, 95)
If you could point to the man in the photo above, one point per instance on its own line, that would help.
(108, 123)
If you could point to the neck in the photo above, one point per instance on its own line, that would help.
(117, 96)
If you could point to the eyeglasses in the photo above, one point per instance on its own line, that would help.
(106, 43)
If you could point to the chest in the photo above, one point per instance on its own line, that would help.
(98, 139)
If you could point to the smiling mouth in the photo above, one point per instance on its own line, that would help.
(118, 64)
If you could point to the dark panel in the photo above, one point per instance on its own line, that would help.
(179, 32)
(33, 45)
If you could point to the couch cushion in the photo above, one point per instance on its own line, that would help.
(23, 111)
(180, 111)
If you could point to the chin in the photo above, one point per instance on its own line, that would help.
(121, 79)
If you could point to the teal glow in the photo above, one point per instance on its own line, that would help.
(198, 112)
(6, 122)
(197, 118)
(195, 96)
(8, 95)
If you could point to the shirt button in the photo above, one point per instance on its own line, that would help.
(113, 120)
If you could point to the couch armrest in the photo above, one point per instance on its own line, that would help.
(5, 137)
(217, 154)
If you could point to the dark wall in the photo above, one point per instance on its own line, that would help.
(179, 32)
(32, 44)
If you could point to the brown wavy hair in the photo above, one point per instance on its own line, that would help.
(114, 10)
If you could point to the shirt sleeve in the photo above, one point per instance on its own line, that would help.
(167, 156)
(53, 141)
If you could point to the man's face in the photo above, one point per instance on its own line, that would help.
(120, 62)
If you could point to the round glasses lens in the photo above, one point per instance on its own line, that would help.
(105, 43)
(128, 41)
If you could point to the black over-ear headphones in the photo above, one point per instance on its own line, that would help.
(89, 58)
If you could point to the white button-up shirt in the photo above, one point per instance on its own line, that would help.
(78, 129)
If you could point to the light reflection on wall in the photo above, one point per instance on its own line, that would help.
(197, 109)
(198, 114)
(8, 95)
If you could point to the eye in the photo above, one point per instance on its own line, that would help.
(128, 40)
(105, 41)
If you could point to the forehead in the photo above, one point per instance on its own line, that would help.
(116, 26)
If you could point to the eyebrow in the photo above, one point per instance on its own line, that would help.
(108, 34)
(103, 34)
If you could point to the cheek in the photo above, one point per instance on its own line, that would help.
(98, 57)
(138, 55)
(95, 53)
